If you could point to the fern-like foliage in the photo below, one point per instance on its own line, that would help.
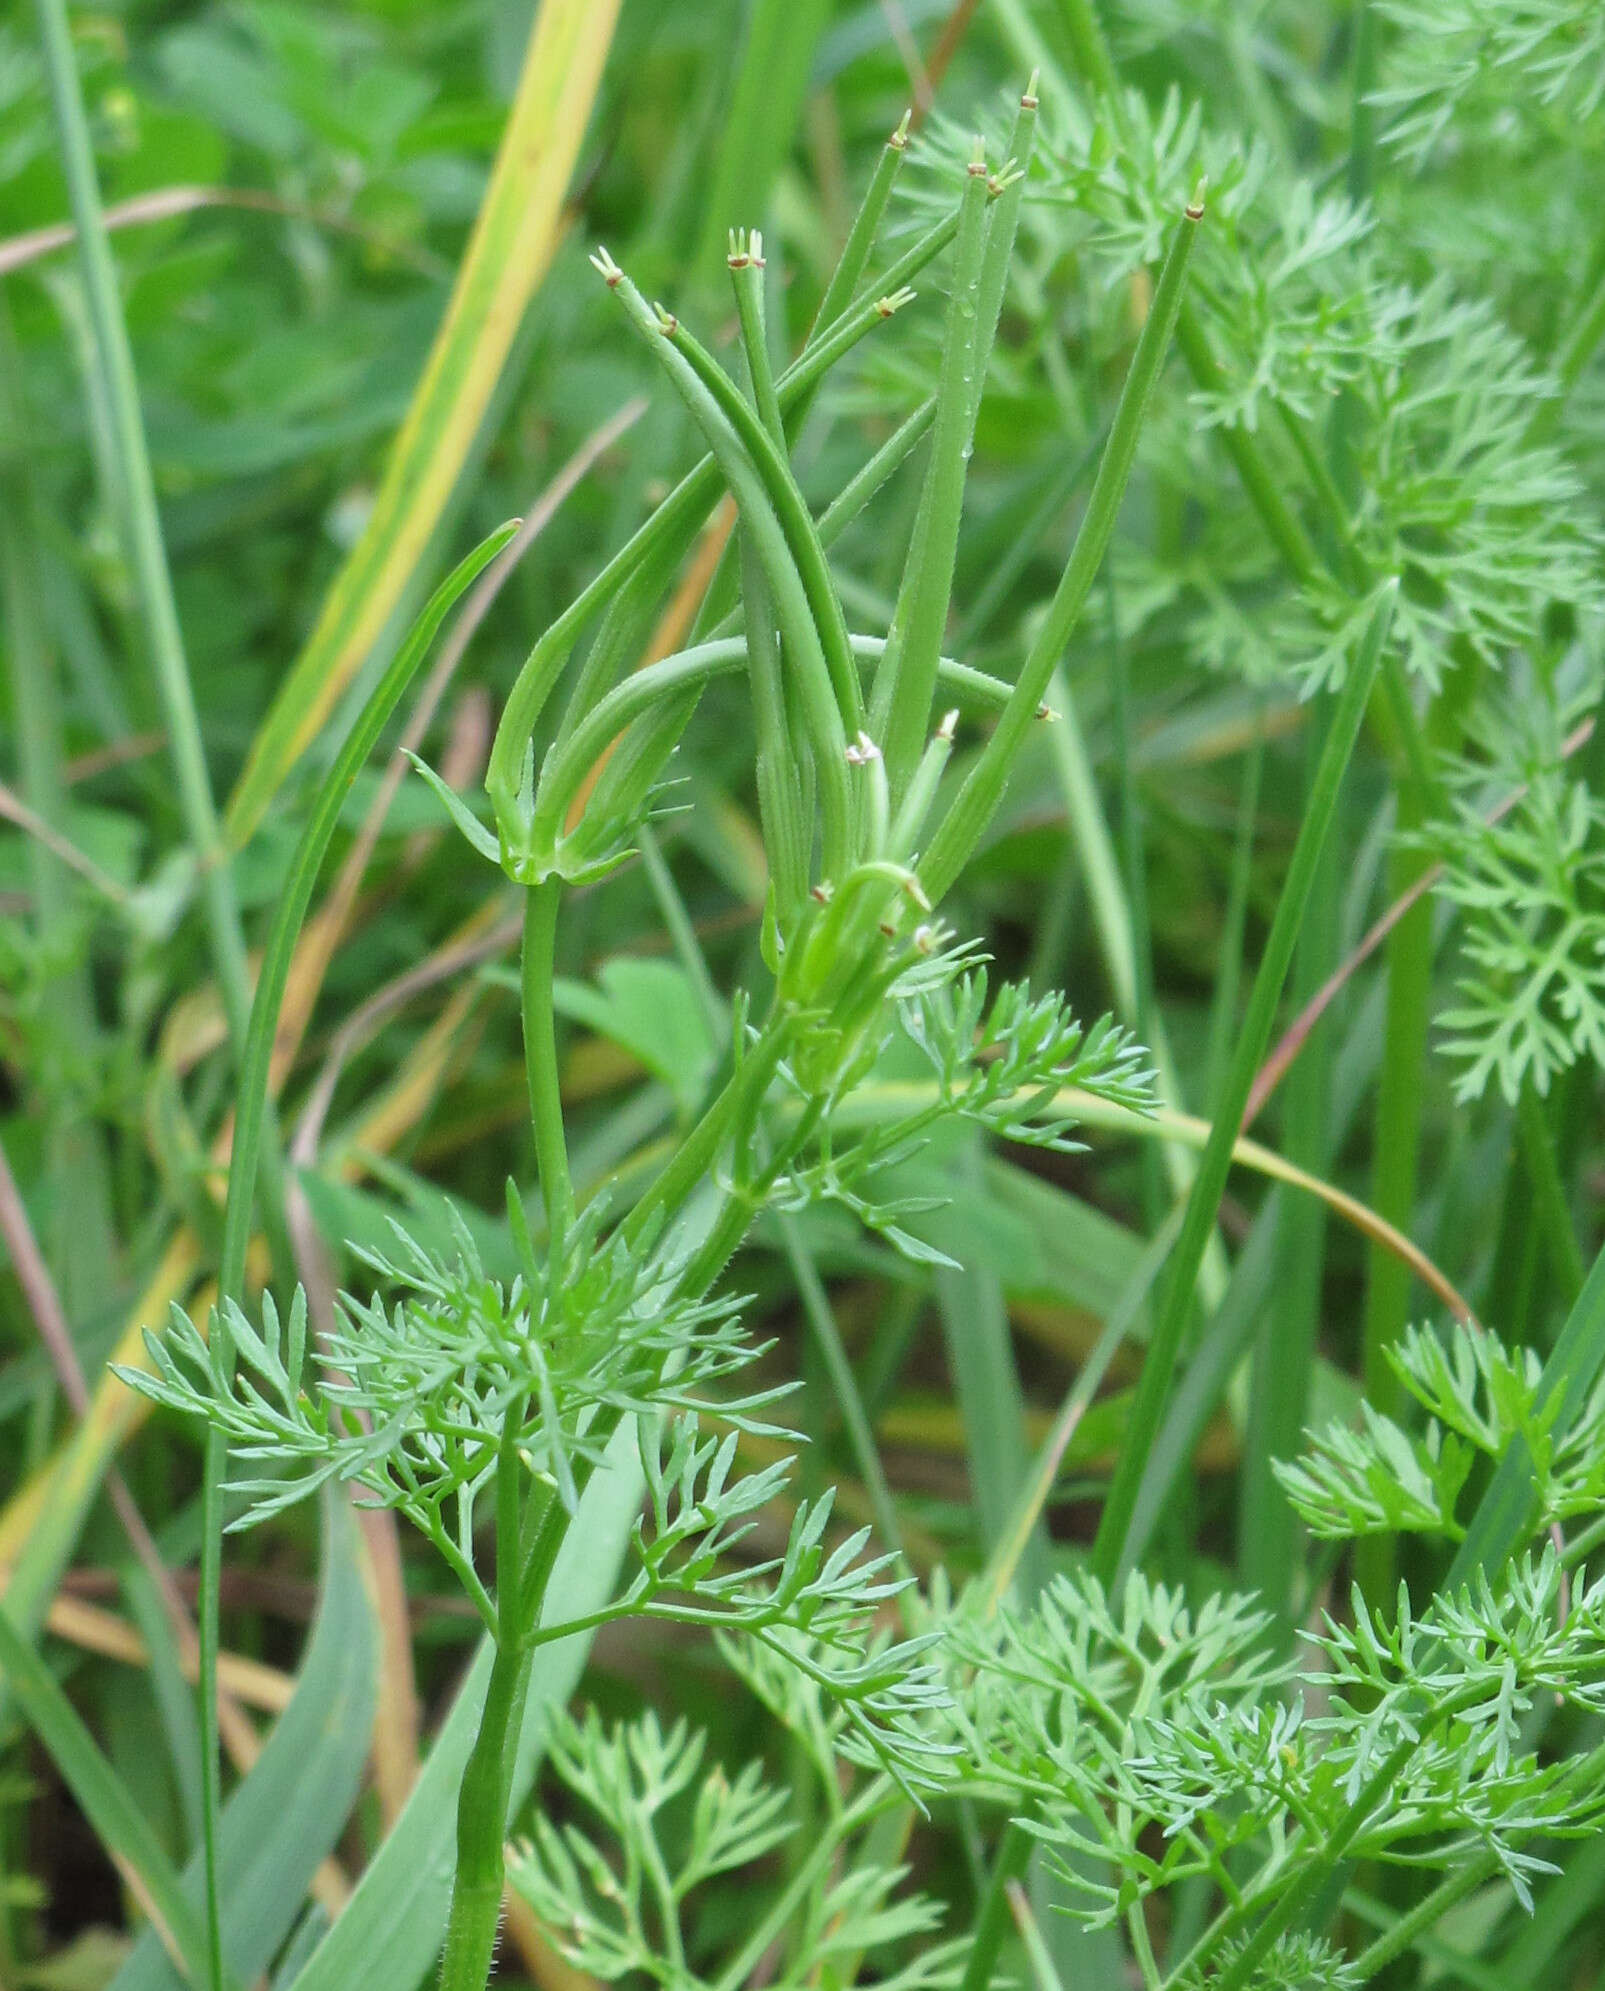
(1001, 1066)
(1530, 889)
(409, 1397)
(812, 1607)
(619, 1894)
(1480, 1398)
(1455, 61)
(1147, 1746)
(1302, 304)
(1294, 1962)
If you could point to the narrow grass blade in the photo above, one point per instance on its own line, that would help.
(117, 1820)
(982, 791)
(1012, 1543)
(980, 1356)
(765, 102)
(297, 896)
(41, 1523)
(1288, 1331)
(1221, 1347)
(250, 1119)
(1396, 1148)
(507, 257)
(136, 501)
(1110, 1552)
(1100, 870)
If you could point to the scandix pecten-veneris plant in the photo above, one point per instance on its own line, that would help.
(1146, 1744)
(465, 1394)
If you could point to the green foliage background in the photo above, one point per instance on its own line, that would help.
(1388, 369)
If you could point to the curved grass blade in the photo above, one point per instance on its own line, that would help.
(250, 1120)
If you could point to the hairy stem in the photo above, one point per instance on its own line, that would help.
(540, 1058)
(476, 1896)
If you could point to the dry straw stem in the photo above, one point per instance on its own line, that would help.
(507, 257)
(167, 203)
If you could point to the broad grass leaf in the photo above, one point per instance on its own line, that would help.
(289, 1811)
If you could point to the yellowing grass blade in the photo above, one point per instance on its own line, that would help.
(506, 259)
(39, 1524)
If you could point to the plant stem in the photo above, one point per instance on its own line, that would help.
(1397, 1151)
(1427, 1912)
(1549, 1195)
(1362, 113)
(1094, 853)
(476, 1896)
(540, 1058)
(827, 1335)
(1284, 1353)
(142, 521)
(983, 789)
(992, 1923)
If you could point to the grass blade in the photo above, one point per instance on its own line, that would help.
(250, 1119)
(118, 1821)
(1110, 1559)
(289, 1811)
(141, 522)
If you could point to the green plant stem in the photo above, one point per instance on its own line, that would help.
(1549, 1195)
(1134, 878)
(1253, 472)
(674, 524)
(541, 905)
(1298, 1903)
(1284, 1353)
(1362, 113)
(1100, 870)
(874, 1798)
(1109, 1556)
(142, 521)
(1503, 1519)
(1396, 1148)
(1093, 56)
(900, 711)
(992, 1923)
(476, 1897)
(860, 243)
(1229, 956)
(1473, 1870)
